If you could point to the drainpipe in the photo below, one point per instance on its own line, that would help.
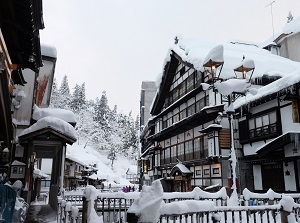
(62, 169)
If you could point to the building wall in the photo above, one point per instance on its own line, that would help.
(290, 47)
(147, 94)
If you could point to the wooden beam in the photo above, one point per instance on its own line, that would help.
(8, 64)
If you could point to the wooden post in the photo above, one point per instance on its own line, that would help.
(84, 209)
(132, 218)
(284, 215)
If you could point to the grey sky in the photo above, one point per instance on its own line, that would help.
(114, 45)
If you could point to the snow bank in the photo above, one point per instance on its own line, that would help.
(147, 206)
(63, 114)
(91, 194)
(187, 206)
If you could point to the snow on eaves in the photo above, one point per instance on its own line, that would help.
(280, 84)
(53, 122)
(196, 51)
(63, 114)
(292, 27)
(48, 50)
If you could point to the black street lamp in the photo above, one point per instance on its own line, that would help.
(243, 71)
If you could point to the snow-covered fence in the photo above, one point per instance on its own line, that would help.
(270, 197)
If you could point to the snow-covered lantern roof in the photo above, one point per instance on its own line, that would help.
(213, 61)
(247, 65)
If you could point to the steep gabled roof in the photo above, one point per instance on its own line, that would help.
(47, 131)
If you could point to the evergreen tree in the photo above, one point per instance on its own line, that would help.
(64, 92)
(290, 17)
(75, 101)
(102, 110)
(55, 97)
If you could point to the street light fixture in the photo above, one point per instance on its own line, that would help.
(245, 67)
(213, 61)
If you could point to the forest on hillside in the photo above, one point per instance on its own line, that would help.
(107, 130)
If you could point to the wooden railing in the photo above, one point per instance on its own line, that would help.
(263, 208)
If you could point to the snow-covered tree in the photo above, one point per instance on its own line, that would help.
(290, 17)
(55, 97)
(64, 92)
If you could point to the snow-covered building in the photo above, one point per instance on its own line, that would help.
(189, 112)
(19, 50)
(286, 43)
(269, 128)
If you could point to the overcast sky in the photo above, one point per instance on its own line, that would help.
(114, 45)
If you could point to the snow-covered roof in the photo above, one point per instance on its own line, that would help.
(280, 84)
(48, 50)
(17, 163)
(182, 168)
(195, 52)
(53, 122)
(63, 114)
(292, 27)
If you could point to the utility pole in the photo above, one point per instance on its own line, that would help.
(271, 5)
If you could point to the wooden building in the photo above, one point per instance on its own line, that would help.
(190, 127)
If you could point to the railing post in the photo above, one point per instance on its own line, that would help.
(84, 209)
(132, 218)
(284, 216)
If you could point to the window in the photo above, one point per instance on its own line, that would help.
(206, 172)
(216, 171)
(198, 172)
(262, 125)
(183, 114)
(21, 170)
(191, 110)
(15, 170)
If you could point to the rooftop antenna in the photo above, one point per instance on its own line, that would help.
(271, 4)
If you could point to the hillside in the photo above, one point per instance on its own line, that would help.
(116, 175)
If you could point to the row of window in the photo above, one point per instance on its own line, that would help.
(260, 126)
(186, 112)
(196, 148)
(182, 84)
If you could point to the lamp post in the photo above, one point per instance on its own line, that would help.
(231, 87)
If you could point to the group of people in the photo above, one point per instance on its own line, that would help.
(128, 189)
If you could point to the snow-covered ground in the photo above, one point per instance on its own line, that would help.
(116, 175)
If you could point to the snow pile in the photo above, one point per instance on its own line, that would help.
(247, 64)
(186, 206)
(148, 205)
(91, 195)
(287, 203)
(216, 55)
(232, 85)
(197, 194)
(53, 122)
(270, 194)
(63, 114)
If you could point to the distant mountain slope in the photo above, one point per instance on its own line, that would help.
(90, 156)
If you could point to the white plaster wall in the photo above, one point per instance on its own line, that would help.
(257, 177)
(287, 121)
(289, 181)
